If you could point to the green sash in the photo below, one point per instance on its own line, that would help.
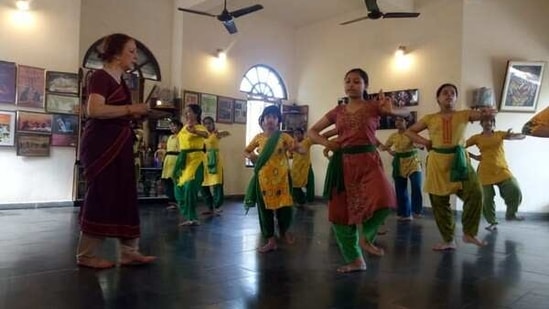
(212, 160)
(458, 171)
(396, 160)
(181, 162)
(253, 191)
(334, 173)
(310, 185)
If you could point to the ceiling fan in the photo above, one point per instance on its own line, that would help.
(226, 17)
(375, 13)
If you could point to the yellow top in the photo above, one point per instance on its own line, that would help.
(188, 140)
(212, 142)
(172, 145)
(301, 164)
(444, 132)
(273, 177)
(493, 167)
(401, 143)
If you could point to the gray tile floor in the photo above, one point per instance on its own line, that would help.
(215, 265)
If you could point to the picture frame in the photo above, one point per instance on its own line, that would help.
(64, 130)
(208, 102)
(295, 117)
(64, 104)
(388, 122)
(31, 85)
(190, 97)
(7, 128)
(522, 86)
(33, 145)
(240, 111)
(33, 122)
(8, 75)
(62, 82)
(225, 110)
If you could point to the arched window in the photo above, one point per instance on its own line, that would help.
(263, 87)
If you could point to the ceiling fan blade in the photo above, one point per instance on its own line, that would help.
(354, 20)
(246, 10)
(197, 12)
(371, 5)
(230, 26)
(400, 15)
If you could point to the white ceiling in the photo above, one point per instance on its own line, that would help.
(300, 12)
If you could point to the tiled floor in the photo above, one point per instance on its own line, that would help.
(216, 265)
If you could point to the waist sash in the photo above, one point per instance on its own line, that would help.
(212, 160)
(172, 153)
(458, 170)
(334, 173)
(396, 160)
(181, 162)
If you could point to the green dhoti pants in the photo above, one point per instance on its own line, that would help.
(187, 195)
(284, 216)
(510, 191)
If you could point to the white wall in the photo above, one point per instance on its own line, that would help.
(494, 33)
(46, 37)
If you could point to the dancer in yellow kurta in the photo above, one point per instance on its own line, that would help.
(189, 170)
(539, 125)
(269, 188)
(406, 165)
(172, 151)
(449, 169)
(213, 169)
(302, 171)
(493, 170)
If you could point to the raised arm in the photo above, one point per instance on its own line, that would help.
(482, 113)
(514, 136)
(386, 107)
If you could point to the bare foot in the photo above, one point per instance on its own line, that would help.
(405, 219)
(357, 265)
(445, 246)
(492, 227)
(189, 223)
(207, 213)
(270, 246)
(95, 262)
(137, 259)
(473, 240)
(171, 207)
(371, 248)
(289, 238)
(514, 218)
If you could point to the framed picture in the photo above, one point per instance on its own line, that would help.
(33, 145)
(401, 98)
(64, 130)
(522, 85)
(388, 122)
(225, 110)
(31, 84)
(240, 107)
(62, 82)
(190, 97)
(7, 128)
(295, 117)
(31, 122)
(208, 102)
(65, 104)
(8, 73)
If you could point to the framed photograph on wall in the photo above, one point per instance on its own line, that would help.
(522, 85)
(62, 82)
(240, 108)
(64, 130)
(31, 122)
(190, 97)
(225, 110)
(295, 117)
(65, 104)
(208, 102)
(8, 73)
(7, 128)
(33, 145)
(31, 84)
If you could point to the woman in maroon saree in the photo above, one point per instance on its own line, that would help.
(110, 204)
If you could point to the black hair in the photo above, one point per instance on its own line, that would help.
(113, 45)
(197, 110)
(176, 122)
(273, 110)
(364, 77)
(210, 119)
(300, 130)
(439, 90)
